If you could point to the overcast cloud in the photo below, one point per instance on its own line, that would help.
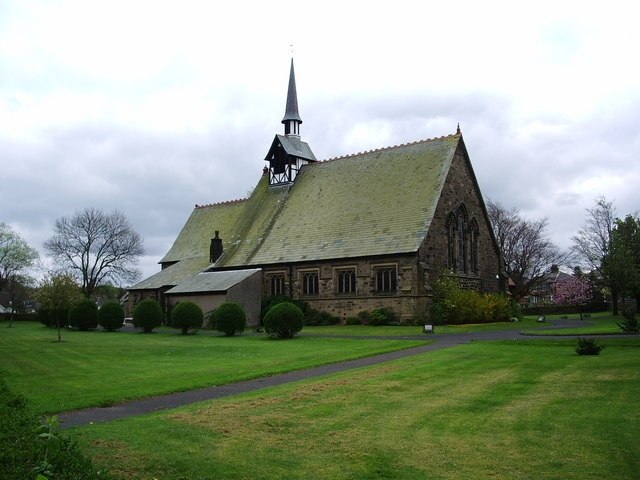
(152, 107)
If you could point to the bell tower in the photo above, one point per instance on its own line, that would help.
(288, 154)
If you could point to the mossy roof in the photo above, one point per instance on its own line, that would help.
(372, 203)
(196, 234)
(379, 202)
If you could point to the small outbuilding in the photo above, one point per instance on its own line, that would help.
(210, 289)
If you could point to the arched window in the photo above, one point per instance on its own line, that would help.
(473, 243)
(451, 241)
(461, 236)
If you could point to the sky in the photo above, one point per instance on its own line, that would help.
(151, 107)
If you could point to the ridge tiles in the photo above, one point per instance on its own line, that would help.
(224, 202)
(381, 149)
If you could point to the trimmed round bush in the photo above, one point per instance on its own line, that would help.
(283, 320)
(229, 318)
(111, 316)
(186, 315)
(83, 314)
(147, 315)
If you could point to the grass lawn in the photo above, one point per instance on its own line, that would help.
(99, 368)
(500, 410)
(597, 324)
(402, 331)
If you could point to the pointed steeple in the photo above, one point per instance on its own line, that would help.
(292, 118)
(288, 154)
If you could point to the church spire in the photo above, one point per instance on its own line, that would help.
(292, 118)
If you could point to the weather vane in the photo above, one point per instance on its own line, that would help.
(291, 49)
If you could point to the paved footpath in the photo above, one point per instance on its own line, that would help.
(172, 400)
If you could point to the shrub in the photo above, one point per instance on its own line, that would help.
(147, 315)
(44, 316)
(186, 315)
(283, 320)
(269, 302)
(229, 318)
(318, 318)
(377, 316)
(588, 346)
(454, 305)
(353, 321)
(111, 316)
(515, 311)
(364, 316)
(630, 322)
(420, 316)
(22, 452)
(83, 314)
(444, 288)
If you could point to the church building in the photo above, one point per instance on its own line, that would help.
(363, 231)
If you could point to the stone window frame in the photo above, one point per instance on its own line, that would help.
(474, 232)
(277, 289)
(461, 239)
(353, 280)
(392, 280)
(451, 224)
(310, 282)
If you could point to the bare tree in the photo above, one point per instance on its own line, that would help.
(526, 250)
(592, 244)
(96, 247)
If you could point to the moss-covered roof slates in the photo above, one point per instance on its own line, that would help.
(373, 203)
(195, 237)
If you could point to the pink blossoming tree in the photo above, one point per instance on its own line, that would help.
(576, 291)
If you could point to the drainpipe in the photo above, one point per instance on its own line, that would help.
(290, 281)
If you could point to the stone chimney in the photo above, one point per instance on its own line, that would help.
(216, 248)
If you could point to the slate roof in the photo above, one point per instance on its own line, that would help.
(372, 203)
(292, 146)
(196, 234)
(173, 274)
(291, 109)
(213, 281)
(379, 202)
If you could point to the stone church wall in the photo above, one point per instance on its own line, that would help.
(406, 301)
(414, 272)
(433, 254)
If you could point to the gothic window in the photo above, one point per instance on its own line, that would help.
(276, 284)
(461, 236)
(451, 241)
(473, 243)
(346, 280)
(386, 279)
(310, 283)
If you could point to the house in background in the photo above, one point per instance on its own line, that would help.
(363, 231)
(541, 293)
